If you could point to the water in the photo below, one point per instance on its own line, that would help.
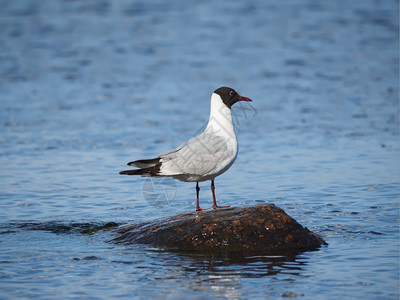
(87, 86)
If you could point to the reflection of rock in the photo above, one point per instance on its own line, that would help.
(261, 228)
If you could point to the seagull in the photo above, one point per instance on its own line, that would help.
(203, 157)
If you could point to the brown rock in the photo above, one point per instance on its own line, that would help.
(263, 228)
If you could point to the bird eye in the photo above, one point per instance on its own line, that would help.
(231, 93)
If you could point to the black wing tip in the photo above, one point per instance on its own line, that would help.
(131, 172)
(152, 161)
(126, 172)
(151, 171)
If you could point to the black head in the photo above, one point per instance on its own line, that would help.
(229, 96)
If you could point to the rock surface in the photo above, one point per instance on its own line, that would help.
(261, 228)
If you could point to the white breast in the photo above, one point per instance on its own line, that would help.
(207, 155)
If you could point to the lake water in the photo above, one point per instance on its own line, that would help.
(86, 86)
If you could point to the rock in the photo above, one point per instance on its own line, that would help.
(261, 228)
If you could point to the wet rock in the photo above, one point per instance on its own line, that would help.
(261, 228)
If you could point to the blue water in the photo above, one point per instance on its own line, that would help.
(86, 86)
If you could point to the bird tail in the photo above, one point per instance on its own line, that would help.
(150, 171)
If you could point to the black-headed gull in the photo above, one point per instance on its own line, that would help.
(203, 157)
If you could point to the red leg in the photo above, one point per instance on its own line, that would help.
(197, 193)
(215, 206)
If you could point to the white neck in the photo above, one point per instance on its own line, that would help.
(220, 122)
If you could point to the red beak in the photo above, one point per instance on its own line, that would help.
(244, 99)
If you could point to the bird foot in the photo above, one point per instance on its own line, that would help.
(216, 206)
(201, 209)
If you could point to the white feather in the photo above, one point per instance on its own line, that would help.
(207, 155)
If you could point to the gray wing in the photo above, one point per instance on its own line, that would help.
(201, 155)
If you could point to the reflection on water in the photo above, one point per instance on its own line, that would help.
(222, 276)
(249, 266)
